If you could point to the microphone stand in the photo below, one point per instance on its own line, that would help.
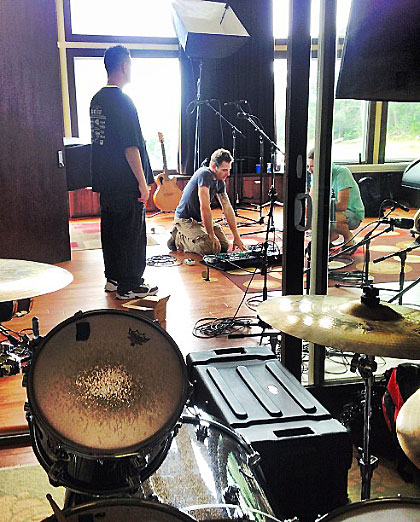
(235, 131)
(263, 136)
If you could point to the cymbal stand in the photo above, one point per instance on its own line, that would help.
(402, 254)
(366, 366)
(364, 242)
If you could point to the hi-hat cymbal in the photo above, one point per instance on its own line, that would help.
(408, 428)
(21, 279)
(385, 330)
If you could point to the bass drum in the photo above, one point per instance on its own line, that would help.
(210, 473)
(105, 391)
(383, 509)
(122, 510)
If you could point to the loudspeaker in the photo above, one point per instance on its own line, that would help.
(305, 452)
(207, 29)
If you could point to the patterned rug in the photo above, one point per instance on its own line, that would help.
(23, 490)
(345, 266)
(85, 234)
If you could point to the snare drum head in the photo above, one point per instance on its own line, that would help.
(123, 510)
(107, 382)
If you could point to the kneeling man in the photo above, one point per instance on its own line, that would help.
(194, 229)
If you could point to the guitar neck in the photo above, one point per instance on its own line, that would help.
(165, 163)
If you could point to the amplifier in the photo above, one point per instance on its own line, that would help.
(305, 452)
(246, 259)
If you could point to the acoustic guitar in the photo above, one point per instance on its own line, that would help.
(167, 194)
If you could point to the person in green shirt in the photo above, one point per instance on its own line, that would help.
(349, 208)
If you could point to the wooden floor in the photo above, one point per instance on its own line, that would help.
(191, 298)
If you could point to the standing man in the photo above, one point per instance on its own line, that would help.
(349, 208)
(194, 229)
(119, 163)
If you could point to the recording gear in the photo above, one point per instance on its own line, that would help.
(405, 223)
(237, 102)
(9, 364)
(246, 259)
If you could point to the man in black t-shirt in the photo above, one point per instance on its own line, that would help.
(194, 229)
(120, 173)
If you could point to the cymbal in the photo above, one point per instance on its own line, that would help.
(408, 428)
(21, 279)
(386, 330)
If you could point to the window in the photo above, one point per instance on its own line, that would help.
(155, 90)
(122, 18)
(403, 131)
(281, 17)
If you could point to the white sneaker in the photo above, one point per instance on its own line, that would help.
(111, 286)
(139, 292)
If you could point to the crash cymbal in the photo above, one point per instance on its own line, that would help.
(408, 428)
(21, 279)
(384, 329)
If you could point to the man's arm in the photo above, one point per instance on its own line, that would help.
(206, 217)
(342, 201)
(231, 219)
(133, 158)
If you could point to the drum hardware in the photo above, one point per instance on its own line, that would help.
(231, 494)
(365, 327)
(57, 511)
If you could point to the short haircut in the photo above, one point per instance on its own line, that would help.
(114, 57)
(311, 154)
(219, 156)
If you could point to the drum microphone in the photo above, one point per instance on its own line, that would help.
(237, 102)
(405, 223)
(394, 204)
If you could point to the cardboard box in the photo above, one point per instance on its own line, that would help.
(153, 307)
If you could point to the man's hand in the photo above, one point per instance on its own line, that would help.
(144, 195)
(237, 243)
(215, 245)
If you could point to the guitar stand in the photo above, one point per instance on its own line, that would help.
(366, 366)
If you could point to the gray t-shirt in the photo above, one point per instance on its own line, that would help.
(189, 206)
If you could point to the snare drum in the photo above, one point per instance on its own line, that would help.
(210, 473)
(123, 510)
(379, 509)
(105, 391)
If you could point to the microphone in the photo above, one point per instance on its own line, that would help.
(194, 103)
(243, 115)
(405, 223)
(203, 102)
(399, 205)
(237, 102)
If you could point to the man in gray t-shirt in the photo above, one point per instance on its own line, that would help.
(194, 229)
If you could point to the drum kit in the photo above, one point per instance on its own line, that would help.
(111, 419)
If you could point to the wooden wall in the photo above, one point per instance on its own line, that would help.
(34, 202)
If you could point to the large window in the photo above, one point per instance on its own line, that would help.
(403, 131)
(281, 17)
(154, 89)
(122, 18)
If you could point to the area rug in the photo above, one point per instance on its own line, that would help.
(85, 234)
(345, 268)
(23, 491)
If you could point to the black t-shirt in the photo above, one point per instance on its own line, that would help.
(114, 127)
(189, 206)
